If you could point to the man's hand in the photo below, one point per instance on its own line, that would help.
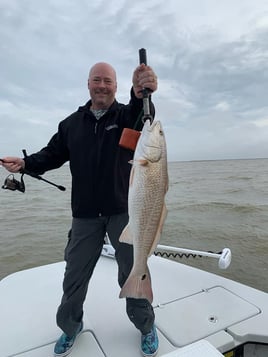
(12, 164)
(144, 77)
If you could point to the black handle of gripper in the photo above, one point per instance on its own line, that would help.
(143, 56)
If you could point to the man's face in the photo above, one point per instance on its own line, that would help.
(102, 86)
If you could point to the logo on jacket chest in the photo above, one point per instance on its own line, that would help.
(110, 127)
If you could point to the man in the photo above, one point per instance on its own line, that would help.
(89, 140)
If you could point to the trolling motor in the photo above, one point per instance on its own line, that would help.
(130, 137)
(14, 185)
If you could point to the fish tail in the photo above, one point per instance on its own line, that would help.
(138, 287)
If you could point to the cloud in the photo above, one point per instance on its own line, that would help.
(210, 58)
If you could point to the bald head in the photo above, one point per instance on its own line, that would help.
(103, 68)
(102, 85)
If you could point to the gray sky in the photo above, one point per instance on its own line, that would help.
(211, 59)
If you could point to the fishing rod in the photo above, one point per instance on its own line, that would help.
(14, 185)
(38, 177)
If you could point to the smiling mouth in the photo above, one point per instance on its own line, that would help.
(101, 92)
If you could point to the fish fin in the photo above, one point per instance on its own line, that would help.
(138, 287)
(142, 162)
(131, 177)
(131, 162)
(167, 186)
(159, 229)
(126, 236)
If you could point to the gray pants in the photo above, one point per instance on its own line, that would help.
(82, 252)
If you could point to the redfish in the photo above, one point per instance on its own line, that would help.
(146, 204)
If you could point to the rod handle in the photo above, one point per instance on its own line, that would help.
(143, 56)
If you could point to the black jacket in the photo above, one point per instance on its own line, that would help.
(99, 166)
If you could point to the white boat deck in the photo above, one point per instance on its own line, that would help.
(195, 311)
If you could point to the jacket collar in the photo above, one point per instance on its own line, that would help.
(86, 107)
